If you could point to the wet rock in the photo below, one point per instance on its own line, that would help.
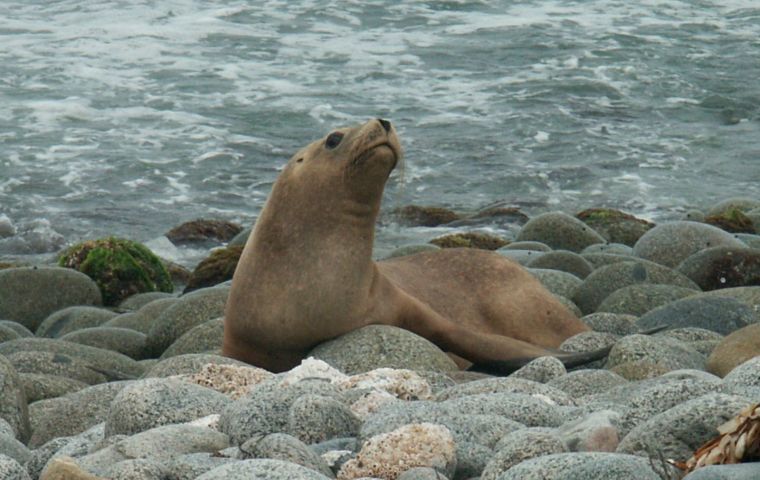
(480, 240)
(29, 295)
(7, 333)
(659, 245)
(563, 261)
(71, 319)
(241, 238)
(203, 231)
(203, 338)
(639, 299)
(732, 220)
(723, 267)
(735, 349)
(608, 248)
(615, 226)
(605, 280)
(560, 231)
(419, 216)
(722, 315)
(21, 330)
(122, 340)
(218, 267)
(377, 346)
(412, 250)
(599, 260)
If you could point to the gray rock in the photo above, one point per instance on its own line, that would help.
(563, 261)
(519, 446)
(112, 364)
(610, 248)
(40, 457)
(595, 432)
(679, 431)
(411, 250)
(7, 333)
(154, 402)
(193, 465)
(615, 323)
(509, 384)
(523, 257)
(424, 473)
(138, 469)
(599, 260)
(188, 364)
(560, 231)
(71, 319)
(191, 310)
(203, 338)
(723, 267)
(605, 280)
(640, 298)
(143, 319)
(266, 408)
(122, 340)
(743, 204)
(55, 364)
(752, 241)
(542, 370)
(528, 245)
(10, 469)
(722, 315)
(746, 374)
(666, 353)
(81, 444)
(671, 243)
(583, 466)
(13, 448)
(6, 428)
(315, 418)
(559, 283)
(29, 294)
(587, 342)
(742, 471)
(262, 469)
(13, 406)
(280, 446)
(160, 444)
(694, 215)
(580, 383)
(139, 300)
(750, 296)
(241, 237)
(73, 413)
(471, 459)
(16, 327)
(377, 346)
(41, 386)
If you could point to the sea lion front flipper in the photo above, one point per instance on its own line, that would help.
(568, 359)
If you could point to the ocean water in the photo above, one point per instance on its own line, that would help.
(128, 118)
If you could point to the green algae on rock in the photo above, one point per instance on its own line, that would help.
(120, 267)
(732, 220)
(470, 240)
(615, 226)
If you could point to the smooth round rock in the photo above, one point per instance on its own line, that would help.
(122, 340)
(10, 469)
(13, 403)
(616, 323)
(16, 327)
(671, 243)
(411, 250)
(39, 386)
(29, 294)
(51, 363)
(664, 352)
(528, 245)
(743, 204)
(609, 248)
(559, 283)
(137, 301)
(382, 346)
(735, 349)
(192, 465)
(742, 471)
(262, 469)
(280, 446)
(722, 315)
(203, 338)
(7, 333)
(519, 446)
(71, 319)
(316, 418)
(723, 267)
(583, 466)
(580, 383)
(560, 231)
(640, 298)
(563, 261)
(143, 319)
(523, 257)
(188, 364)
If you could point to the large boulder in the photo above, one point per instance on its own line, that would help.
(671, 243)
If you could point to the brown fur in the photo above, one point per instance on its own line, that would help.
(306, 274)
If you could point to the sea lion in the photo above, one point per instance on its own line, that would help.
(306, 274)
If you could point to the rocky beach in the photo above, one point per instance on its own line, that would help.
(120, 380)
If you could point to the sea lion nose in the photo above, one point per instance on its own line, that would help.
(386, 124)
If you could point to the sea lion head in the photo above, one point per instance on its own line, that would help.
(352, 161)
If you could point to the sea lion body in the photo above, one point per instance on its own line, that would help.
(306, 274)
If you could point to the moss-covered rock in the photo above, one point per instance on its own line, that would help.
(615, 226)
(470, 240)
(119, 267)
(732, 220)
(214, 269)
(419, 216)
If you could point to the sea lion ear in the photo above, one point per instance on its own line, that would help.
(333, 140)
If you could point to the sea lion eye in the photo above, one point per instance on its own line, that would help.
(333, 140)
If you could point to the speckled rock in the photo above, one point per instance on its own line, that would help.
(21, 330)
(594, 432)
(39, 386)
(111, 364)
(122, 340)
(542, 370)
(509, 384)
(750, 296)
(605, 280)
(723, 267)
(203, 338)
(66, 468)
(580, 383)
(666, 353)
(153, 402)
(279, 446)
(389, 454)
(13, 404)
(139, 300)
(377, 346)
(640, 298)
(615, 226)
(700, 339)
(29, 294)
(589, 341)
(563, 261)
(694, 215)
(745, 377)
(722, 315)
(192, 465)
(143, 319)
(188, 364)
(679, 431)
(71, 414)
(199, 307)
(40, 456)
(615, 323)
(412, 249)
(583, 466)
(610, 248)
(10, 469)
(262, 469)
(71, 319)
(523, 257)
(424, 473)
(528, 245)
(55, 364)
(742, 471)
(735, 349)
(519, 446)
(138, 469)
(316, 418)
(13, 448)
(658, 246)
(560, 231)
(598, 260)
(559, 283)
(71, 447)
